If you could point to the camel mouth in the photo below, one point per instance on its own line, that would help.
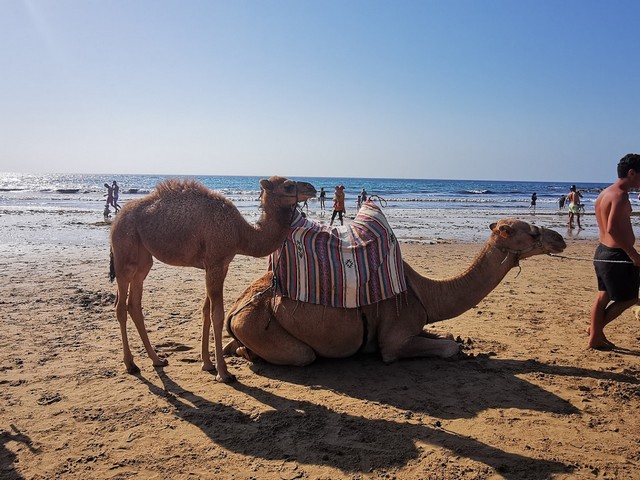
(305, 192)
(558, 246)
(557, 249)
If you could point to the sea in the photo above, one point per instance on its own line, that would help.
(68, 208)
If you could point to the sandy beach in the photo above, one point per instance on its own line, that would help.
(532, 403)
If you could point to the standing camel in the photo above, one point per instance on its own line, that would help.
(183, 223)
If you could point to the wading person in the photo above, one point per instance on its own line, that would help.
(574, 206)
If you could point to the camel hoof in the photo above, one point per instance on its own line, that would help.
(247, 354)
(230, 348)
(208, 367)
(228, 378)
(161, 362)
(453, 351)
(133, 369)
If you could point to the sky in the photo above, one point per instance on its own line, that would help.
(543, 90)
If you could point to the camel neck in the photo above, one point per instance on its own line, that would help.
(268, 233)
(458, 294)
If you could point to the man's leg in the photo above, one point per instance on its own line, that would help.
(601, 315)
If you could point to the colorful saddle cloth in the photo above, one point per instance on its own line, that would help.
(345, 267)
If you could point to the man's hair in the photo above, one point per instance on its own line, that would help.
(629, 161)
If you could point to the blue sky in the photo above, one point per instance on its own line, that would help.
(461, 89)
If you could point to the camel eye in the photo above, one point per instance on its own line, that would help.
(289, 187)
(535, 232)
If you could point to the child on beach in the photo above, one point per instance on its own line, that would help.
(561, 201)
(107, 212)
(616, 261)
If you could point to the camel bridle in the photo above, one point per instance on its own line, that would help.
(518, 253)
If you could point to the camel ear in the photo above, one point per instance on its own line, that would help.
(266, 184)
(505, 231)
(493, 226)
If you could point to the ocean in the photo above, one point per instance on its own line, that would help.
(56, 207)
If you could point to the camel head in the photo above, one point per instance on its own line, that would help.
(282, 192)
(525, 240)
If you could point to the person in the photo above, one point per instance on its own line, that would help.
(534, 199)
(561, 201)
(323, 195)
(109, 195)
(116, 190)
(574, 206)
(363, 195)
(338, 204)
(616, 261)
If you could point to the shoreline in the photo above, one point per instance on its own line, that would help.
(89, 228)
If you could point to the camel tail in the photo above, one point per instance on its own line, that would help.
(112, 267)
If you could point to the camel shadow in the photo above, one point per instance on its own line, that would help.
(440, 388)
(307, 433)
(7, 457)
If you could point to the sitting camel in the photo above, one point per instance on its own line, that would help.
(183, 223)
(286, 332)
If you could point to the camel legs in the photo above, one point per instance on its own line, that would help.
(207, 364)
(130, 287)
(426, 344)
(214, 307)
(421, 345)
(121, 314)
(261, 333)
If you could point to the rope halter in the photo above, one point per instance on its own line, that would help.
(538, 244)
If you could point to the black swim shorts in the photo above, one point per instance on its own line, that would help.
(620, 280)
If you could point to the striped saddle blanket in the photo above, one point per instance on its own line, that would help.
(351, 266)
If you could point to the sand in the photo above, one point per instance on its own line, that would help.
(531, 403)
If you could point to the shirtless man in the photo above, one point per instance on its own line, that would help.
(618, 283)
(574, 206)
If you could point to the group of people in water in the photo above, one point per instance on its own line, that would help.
(573, 199)
(113, 192)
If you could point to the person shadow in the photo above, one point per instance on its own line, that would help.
(310, 433)
(7, 457)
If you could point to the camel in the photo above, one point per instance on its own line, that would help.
(284, 331)
(183, 223)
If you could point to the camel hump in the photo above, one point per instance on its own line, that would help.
(186, 186)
